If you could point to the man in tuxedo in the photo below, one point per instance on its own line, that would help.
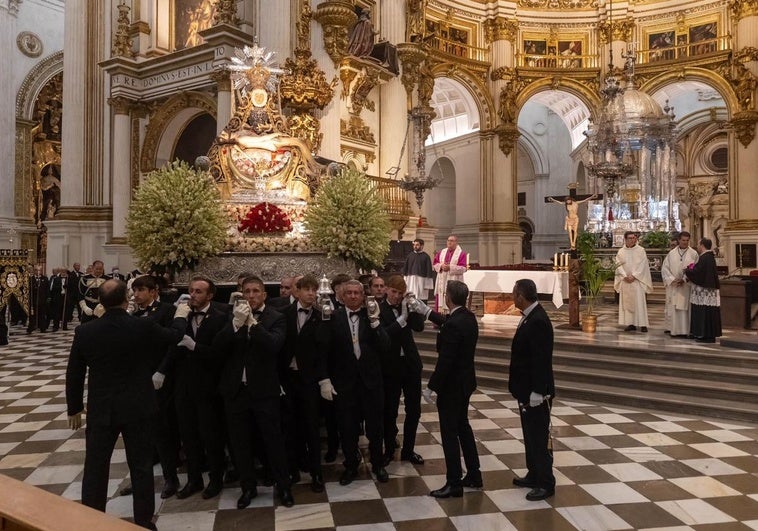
(249, 383)
(119, 351)
(286, 295)
(454, 380)
(302, 366)
(531, 384)
(58, 292)
(377, 288)
(72, 294)
(401, 370)
(147, 306)
(39, 292)
(196, 365)
(355, 341)
(88, 288)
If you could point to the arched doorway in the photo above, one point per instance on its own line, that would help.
(196, 139)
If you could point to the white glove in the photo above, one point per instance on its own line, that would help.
(182, 311)
(422, 308)
(535, 399)
(86, 309)
(281, 391)
(327, 390)
(158, 380)
(187, 342)
(251, 321)
(241, 314)
(99, 310)
(430, 397)
(183, 299)
(402, 319)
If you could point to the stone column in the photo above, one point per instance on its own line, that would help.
(121, 176)
(329, 117)
(742, 226)
(8, 11)
(275, 27)
(224, 99)
(393, 100)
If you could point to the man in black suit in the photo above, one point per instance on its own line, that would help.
(119, 351)
(401, 370)
(197, 364)
(302, 366)
(286, 294)
(39, 293)
(72, 295)
(454, 380)
(531, 384)
(249, 383)
(88, 287)
(147, 306)
(355, 341)
(58, 292)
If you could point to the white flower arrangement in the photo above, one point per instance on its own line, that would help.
(175, 219)
(347, 219)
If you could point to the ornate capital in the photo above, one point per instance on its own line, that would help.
(222, 79)
(122, 42)
(621, 30)
(742, 80)
(411, 56)
(507, 136)
(336, 18)
(744, 126)
(500, 29)
(743, 8)
(226, 13)
(10, 5)
(508, 108)
(358, 80)
(120, 104)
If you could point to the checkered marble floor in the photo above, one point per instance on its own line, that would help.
(615, 468)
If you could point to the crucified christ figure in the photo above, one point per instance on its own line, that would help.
(572, 215)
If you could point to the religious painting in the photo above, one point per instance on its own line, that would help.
(433, 27)
(535, 50)
(459, 38)
(745, 254)
(190, 18)
(569, 52)
(703, 38)
(661, 45)
(681, 45)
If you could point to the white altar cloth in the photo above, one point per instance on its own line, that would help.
(554, 282)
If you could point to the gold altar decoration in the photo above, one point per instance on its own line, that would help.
(122, 41)
(500, 29)
(743, 8)
(411, 57)
(257, 156)
(226, 13)
(14, 277)
(336, 18)
(621, 30)
(558, 4)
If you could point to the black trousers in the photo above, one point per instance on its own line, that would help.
(243, 415)
(56, 311)
(535, 424)
(3, 326)
(38, 318)
(408, 382)
(201, 420)
(138, 443)
(457, 435)
(302, 422)
(68, 311)
(352, 406)
(167, 431)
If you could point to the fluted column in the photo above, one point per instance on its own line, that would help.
(223, 100)
(329, 117)
(8, 12)
(121, 176)
(275, 27)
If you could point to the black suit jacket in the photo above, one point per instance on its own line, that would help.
(400, 338)
(197, 371)
(280, 303)
(256, 349)
(120, 351)
(345, 370)
(531, 368)
(456, 346)
(303, 345)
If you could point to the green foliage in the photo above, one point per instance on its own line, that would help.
(175, 219)
(656, 240)
(347, 219)
(594, 275)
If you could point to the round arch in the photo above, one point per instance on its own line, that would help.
(584, 93)
(37, 78)
(708, 77)
(535, 154)
(477, 89)
(169, 121)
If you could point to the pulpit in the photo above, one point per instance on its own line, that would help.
(735, 302)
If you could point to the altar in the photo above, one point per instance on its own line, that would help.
(548, 282)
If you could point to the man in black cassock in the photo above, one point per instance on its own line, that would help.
(418, 272)
(39, 291)
(705, 300)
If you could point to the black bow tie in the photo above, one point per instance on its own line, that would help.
(304, 310)
(398, 308)
(256, 313)
(192, 315)
(351, 314)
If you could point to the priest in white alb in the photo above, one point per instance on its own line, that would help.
(677, 286)
(632, 282)
(450, 264)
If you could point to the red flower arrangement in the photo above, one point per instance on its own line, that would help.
(265, 217)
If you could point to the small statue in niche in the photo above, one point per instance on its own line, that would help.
(362, 35)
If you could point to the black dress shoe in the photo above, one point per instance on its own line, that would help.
(189, 489)
(448, 491)
(317, 483)
(246, 498)
(348, 476)
(538, 493)
(213, 489)
(330, 456)
(643, 329)
(169, 489)
(387, 458)
(413, 458)
(285, 495)
(630, 328)
(524, 482)
(472, 481)
(381, 474)
(126, 491)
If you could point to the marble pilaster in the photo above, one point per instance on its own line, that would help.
(329, 117)
(121, 175)
(7, 116)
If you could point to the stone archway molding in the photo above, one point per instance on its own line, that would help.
(474, 85)
(709, 77)
(37, 78)
(586, 92)
(164, 115)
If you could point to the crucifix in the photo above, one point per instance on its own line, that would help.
(572, 202)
